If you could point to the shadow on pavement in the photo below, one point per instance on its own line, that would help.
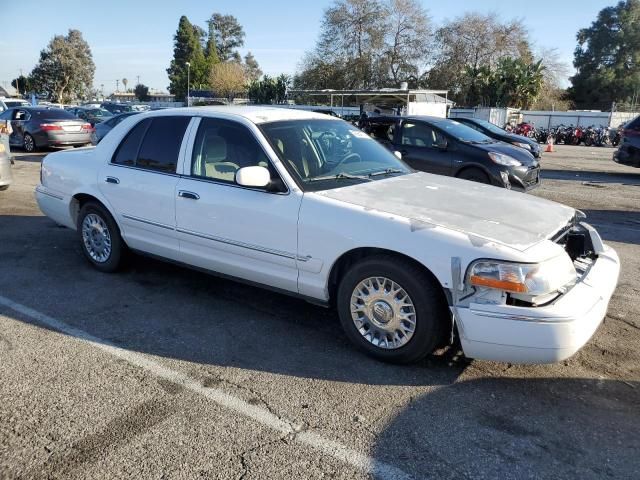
(174, 312)
(626, 178)
(518, 428)
(616, 225)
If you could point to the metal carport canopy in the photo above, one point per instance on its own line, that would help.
(390, 93)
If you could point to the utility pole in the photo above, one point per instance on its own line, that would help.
(138, 77)
(102, 90)
(188, 72)
(117, 84)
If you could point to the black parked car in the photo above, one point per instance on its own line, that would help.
(105, 127)
(446, 147)
(92, 115)
(628, 152)
(35, 127)
(116, 108)
(497, 133)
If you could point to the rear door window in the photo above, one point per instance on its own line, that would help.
(161, 144)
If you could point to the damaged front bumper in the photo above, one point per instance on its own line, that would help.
(544, 334)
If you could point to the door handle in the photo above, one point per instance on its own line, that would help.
(404, 152)
(190, 195)
(112, 180)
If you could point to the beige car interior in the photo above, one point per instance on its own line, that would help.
(222, 151)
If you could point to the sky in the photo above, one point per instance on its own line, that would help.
(135, 37)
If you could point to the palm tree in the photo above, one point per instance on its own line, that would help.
(124, 82)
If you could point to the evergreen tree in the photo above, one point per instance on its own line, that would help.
(607, 58)
(65, 69)
(211, 50)
(187, 48)
(251, 67)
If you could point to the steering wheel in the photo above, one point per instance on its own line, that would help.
(355, 156)
(328, 139)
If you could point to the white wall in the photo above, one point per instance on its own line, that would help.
(545, 118)
(428, 108)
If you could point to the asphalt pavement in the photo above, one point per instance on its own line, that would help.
(163, 372)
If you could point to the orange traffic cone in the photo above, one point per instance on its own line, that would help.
(549, 148)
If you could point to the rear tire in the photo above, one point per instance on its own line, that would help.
(100, 238)
(29, 144)
(474, 175)
(400, 327)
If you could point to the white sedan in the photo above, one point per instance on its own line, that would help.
(308, 205)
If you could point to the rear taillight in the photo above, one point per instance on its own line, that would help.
(88, 127)
(47, 127)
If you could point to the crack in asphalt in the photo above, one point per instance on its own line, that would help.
(244, 462)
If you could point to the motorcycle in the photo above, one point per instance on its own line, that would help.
(616, 137)
(590, 136)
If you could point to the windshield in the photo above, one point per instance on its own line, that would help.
(325, 154)
(489, 126)
(463, 132)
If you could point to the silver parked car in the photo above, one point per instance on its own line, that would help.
(37, 127)
(5, 155)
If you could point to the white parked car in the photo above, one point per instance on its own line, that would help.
(7, 103)
(311, 206)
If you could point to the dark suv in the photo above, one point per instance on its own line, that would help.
(446, 147)
(628, 152)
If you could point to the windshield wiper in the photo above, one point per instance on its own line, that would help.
(388, 171)
(340, 176)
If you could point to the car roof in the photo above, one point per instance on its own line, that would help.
(253, 114)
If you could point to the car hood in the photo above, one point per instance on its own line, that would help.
(512, 137)
(518, 153)
(483, 212)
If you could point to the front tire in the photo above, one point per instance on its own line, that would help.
(474, 175)
(100, 238)
(391, 309)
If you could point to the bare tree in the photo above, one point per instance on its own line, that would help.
(227, 79)
(556, 70)
(408, 38)
(354, 31)
(475, 40)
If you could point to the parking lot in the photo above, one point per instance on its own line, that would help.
(163, 372)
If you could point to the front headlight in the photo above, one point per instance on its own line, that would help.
(526, 146)
(502, 159)
(531, 279)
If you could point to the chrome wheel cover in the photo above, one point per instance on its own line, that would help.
(96, 238)
(383, 313)
(28, 143)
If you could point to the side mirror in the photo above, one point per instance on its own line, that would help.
(253, 177)
(398, 154)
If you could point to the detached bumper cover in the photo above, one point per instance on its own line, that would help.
(541, 334)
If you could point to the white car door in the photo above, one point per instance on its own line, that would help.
(140, 184)
(247, 233)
